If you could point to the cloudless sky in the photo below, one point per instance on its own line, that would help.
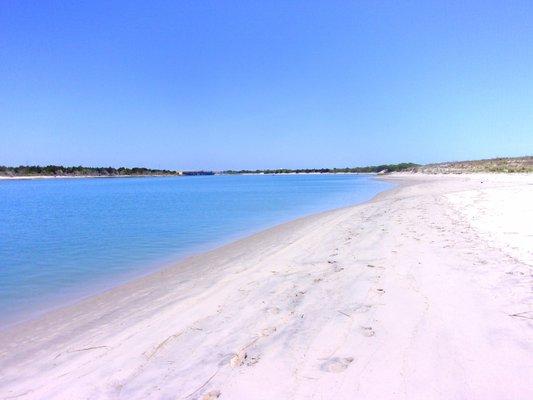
(257, 84)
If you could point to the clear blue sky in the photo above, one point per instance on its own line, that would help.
(246, 84)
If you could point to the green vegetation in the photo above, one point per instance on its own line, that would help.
(59, 170)
(501, 165)
(369, 169)
(516, 164)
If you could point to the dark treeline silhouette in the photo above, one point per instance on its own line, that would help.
(194, 173)
(59, 170)
(369, 169)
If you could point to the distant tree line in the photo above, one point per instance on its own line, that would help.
(60, 170)
(369, 169)
(194, 173)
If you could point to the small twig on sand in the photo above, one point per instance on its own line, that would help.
(203, 385)
(519, 315)
(162, 344)
(88, 348)
(343, 313)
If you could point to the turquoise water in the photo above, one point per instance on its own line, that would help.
(62, 239)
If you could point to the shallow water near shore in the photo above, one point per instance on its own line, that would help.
(61, 240)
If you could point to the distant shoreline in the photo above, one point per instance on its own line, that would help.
(30, 177)
(34, 171)
(436, 172)
(496, 165)
(522, 164)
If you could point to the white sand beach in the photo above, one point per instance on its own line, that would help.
(422, 293)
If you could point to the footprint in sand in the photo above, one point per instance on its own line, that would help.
(336, 364)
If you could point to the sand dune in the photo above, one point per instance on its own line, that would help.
(423, 293)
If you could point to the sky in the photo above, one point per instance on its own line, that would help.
(264, 84)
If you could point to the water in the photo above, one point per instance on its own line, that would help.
(62, 239)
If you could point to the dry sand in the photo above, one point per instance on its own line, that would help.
(423, 293)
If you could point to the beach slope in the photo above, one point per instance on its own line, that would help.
(422, 293)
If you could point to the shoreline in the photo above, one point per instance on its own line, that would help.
(170, 263)
(31, 177)
(330, 285)
(376, 174)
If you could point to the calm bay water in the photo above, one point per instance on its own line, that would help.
(62, 239)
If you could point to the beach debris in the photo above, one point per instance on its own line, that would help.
(268, 331)
(336, 364)
(87, 348)
(202, 386)
(242, 358)
(343, 313)
(524, 314)
(367, 331)
(362, 308)
(212, 395)
(161, 345)
(252, 360)
(272, 310)
(238, 359)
